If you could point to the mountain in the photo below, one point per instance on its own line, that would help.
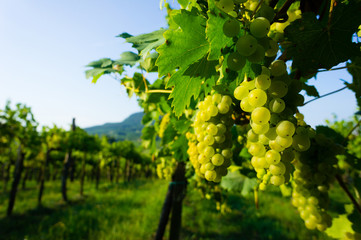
(130, 129)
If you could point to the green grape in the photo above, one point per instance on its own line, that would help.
(285, 129)
(262, 81)
(277, 105)
(257, 149)
(202, 159)
(227, 153)
(233, 14)
(275, 146)
(208, 151)
(277, 169)
(275, 119)
(263, 139)
(288, 155)
(271, 134)
(205, 116)
(220, 139)
(246, 45)
(260, 27)
(210, 175)
(273, 49)
(258, 55)
(278, 68)
(265, 71)
(231, 28)
(301, 142)
(209, 166)
(226, 99)
(212, 110)
(240, 92)
(209, 139)
(252, 136)
(257, 97)
(278, 89)
(217, 159)
(236, 61)
(260, 128)
(272, 157)
(212, 129)
(201, 146)
(285, 142)
(266, 12)
(277, 180)
(260, 115)
(223, 108)
(221, 128)
(249, 84)
(226, 5)
(216, 98)
(245, 106)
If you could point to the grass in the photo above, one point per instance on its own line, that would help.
(131, 211)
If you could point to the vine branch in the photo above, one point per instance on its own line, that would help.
(327, 94)
(283, 11)
(347, 191)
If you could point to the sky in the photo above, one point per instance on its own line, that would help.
(45, 46)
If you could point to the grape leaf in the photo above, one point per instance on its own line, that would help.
(144, 43)
(354, 68)
(355, 219)
(317, 45)
(180, 147)
(214, 31)
(310, 90)
(127, 58)
(189, 83)
(340, 226)
(184, 45)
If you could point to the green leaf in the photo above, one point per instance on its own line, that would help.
(169, 134)
(148, 138)
(355, 219)
(331, 133)
(340, 226)
(101, 63)
(310, 90)
(190, 82)
(180, 147)
(181, 125)
(214, 31)
(354, 68)
(127, 58)
(185, 45)
(316, 44)
(144, 43)
(233, 181)
(248, 186)
(134, 84)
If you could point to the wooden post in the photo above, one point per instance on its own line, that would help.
(67, 163)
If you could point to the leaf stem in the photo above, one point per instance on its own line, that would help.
(347, 191)
(338, 90)
(357, 124)
(333, 69)
(256, 9)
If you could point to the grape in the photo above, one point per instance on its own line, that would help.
(273, 49)
(277, 180)
(212, 110)
(217, 159)
(278, 68)
(262, 82)
(231, 28)
(240, 92)
(277, 105)
(260, 128)
(223, 108)
(208, 151)
(265, 71)
(277, 169)
(258, 55)
(257, 98)
(246, 45)
(212, 129)
(236, 61)
(301, 142)
(226, 5)
(252, 136)
(260, 27)
(272, 157)
(266, 12)
(278, 89)
(260, 115)
(257, 149)
(285, 129)
(245, 106)
(285, 142)
(210, 175)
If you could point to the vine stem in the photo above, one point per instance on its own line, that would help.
(257, 7)
(357, 124)
(333, 69)
(327, 94)
(283, 9)
(347, 191)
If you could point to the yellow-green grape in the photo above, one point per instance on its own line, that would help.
(301, 142)
(278, 68)
(273, 49)
(260, 128)
(262, 81)
(278, 89)
(256, 149)
(217, 159)
(277, 180)
(271, 134)
(252, 136)
(260, 27)
(223, 108)
(272, 157)
(236, 61)
(257, 97)
(260, 115)
(240, 92)
(275, 146)
(277, 169)
(246, 45)
(210, 175)
(245, 106)
(249, 84)
(277, 105)
(285, 128)
(265, 71)
(258, 55)
(231, 28)
(285, 142)
(226, 5)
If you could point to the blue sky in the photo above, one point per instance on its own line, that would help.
(45, 46)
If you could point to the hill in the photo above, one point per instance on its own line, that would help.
(130, 129)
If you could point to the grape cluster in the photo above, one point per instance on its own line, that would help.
(274, 132)
(313, 173)
(209, 148)
(165, 168)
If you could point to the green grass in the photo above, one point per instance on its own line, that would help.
(131, 211)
